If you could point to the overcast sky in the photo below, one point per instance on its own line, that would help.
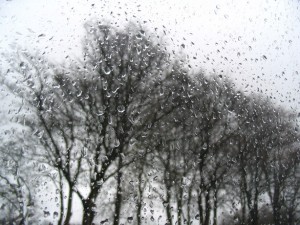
(256, 42)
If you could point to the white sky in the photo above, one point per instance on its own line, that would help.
(241, 31)
(230, 36)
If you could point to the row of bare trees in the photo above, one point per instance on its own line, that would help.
(137, 138)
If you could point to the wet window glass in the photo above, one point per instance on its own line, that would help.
(149, 112)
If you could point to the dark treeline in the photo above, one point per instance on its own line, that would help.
(136, 137)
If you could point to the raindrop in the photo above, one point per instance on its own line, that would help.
(132, 141)
(83, 152)
(165, 204)
(139, 36)
(264, 57)
(104, 221)
(46, 214)
(79, 94)
(100, 182)
(117, 143)
(107, 72)
(40, 134)
(159, 218)
(142, 32)
(129, 219)
(55, 215)
(22, 65)
(131, 183)
(161, 92)
(121, 109)
(41, 168)
(100, 113)
(151, 204)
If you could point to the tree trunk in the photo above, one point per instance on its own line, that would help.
(179, 204)
(253, 220)
(89, 202)
(168, 202)
(200, 207)
(254, 210)
(139, 212)
(88, 211)
(253, 217)
(61, 198)
(189, 205)
(215, 206)
(69, 207)
(207, 208)
(118, 202)
(276, 204)
(140, 200)
(243, 208)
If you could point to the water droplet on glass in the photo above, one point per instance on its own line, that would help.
(55, 215)
(79, 94)
(142, 32)
(117, 143)
(100, 113)
(22, 65)
(161, 92)
(139, 36)
(165, 204)
(107, 71)
(121, 109)
(104, 221)
(46, 214)
(129, 219)
(83, 152)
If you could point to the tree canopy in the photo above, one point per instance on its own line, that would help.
(137, 137)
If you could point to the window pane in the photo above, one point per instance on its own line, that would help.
(154, 112)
